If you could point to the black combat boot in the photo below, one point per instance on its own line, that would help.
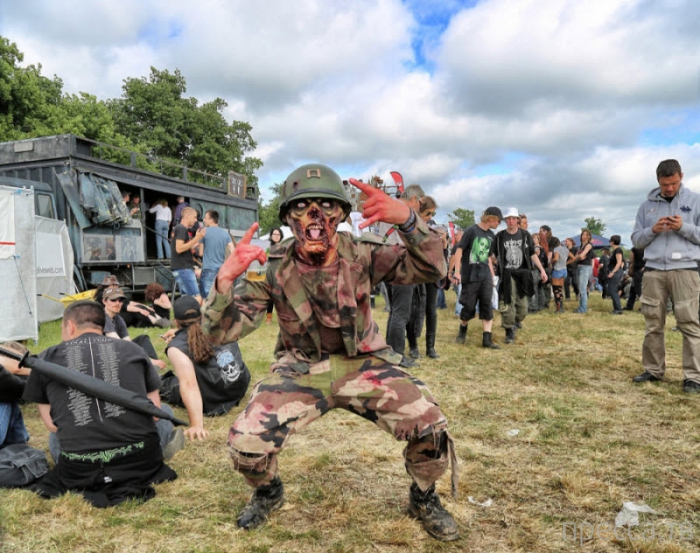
(413, 350)
(426, 507)
(487, 342)
(430, 346)
(264, 500)
(462, 336)
(510, 335)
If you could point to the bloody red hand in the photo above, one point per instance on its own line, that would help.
(380, 207)
(238, 262)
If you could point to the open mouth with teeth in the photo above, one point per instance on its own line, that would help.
(315, 233)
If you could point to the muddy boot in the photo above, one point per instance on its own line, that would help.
(462, 336)
(430, 346)
(510, 335)
(426, 507)
(264, 500)
(487, 342)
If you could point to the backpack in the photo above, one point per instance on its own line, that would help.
(21, 465)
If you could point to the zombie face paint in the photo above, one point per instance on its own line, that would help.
(314, 222)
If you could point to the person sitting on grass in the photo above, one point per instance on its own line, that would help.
(12, 382)
(108, 453)
(115, 327)
(208, 381)
(156, 298)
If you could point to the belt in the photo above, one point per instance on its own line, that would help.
(651, 270)
(106, 455)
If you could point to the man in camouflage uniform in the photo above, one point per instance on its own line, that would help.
(329, 351)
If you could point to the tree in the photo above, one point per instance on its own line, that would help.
(596, 226)
(155, 113)
(268, 213)
(27, 99)
(462, 218)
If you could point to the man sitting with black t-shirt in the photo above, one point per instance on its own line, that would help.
(108, 453)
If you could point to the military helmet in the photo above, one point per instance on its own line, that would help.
(312, 181)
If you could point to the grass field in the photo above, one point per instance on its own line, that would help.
(587, 441)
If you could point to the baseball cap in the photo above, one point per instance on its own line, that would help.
(493, 211)
(186, 307)
(113, 293)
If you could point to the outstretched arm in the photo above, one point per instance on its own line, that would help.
(380, 207)
(238, 262)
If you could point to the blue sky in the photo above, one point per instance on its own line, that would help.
(561, 109)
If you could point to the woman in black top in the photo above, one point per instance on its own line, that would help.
(616, 267)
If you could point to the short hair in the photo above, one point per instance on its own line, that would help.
(522, 216)
(213, 215)
(615, 239)
(668, 168)
(187, 210)
(413, 191)
(554, 242)
(85, 314)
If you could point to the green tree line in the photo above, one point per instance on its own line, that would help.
(153, 116)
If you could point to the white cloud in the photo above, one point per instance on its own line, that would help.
(550, 105)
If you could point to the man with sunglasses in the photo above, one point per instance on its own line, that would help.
(329, 350)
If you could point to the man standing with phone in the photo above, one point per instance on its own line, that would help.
(668, 228)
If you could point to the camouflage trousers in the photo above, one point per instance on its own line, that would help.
(288, 400)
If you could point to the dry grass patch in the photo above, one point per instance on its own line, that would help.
(587, 440)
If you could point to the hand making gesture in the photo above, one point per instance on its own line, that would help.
(380, 207)
(238, 262)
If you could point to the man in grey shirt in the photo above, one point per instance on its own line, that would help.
(668, 228)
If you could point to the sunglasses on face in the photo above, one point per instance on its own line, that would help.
(116, 300)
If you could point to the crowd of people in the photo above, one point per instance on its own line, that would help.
(329, 354)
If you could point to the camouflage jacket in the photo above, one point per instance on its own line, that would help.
(363, 263)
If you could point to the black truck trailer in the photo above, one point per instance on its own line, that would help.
(82, 182)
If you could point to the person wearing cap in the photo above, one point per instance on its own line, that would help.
(112, 299)
(470, 267)
(208, 380)
(513, 255)
(329, 352)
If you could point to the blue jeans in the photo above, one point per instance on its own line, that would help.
(583, 275)
(187, 282)
(164, 428)
(162, 243)
(458, 306)
(440, 302)
(12, 429)
(206, 280)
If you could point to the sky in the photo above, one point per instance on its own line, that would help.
(560, 108)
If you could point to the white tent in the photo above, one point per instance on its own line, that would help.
(54, 267)
(18, 308)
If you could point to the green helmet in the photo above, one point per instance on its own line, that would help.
(312, 181)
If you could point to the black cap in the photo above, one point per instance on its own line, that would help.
(494, 211)
(186, 307)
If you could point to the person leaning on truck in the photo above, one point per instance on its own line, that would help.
(181, 258)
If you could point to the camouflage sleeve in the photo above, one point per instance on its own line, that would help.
(228, 317)
(419, 259)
